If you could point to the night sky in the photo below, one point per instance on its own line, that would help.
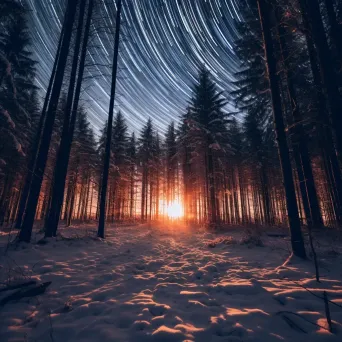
(163, 42)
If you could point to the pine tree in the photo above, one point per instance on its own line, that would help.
(18, 105)
(16, 87)
(119, 163)
(157, 167)
(171, 162)
(71, 108)
(299, 136)
(132, 161)
(104, 180)
(185, 151)
(313, 23)
(208, 130)
(145, 152)
(42, 154)
(292, 208)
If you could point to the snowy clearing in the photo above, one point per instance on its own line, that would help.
(149, 284)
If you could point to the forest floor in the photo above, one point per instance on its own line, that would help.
(155, 283)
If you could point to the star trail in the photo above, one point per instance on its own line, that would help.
(163, 43)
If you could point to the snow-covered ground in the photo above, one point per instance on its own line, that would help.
(148, 283)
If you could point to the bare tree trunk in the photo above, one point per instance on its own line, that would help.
(302, 156)
(312, 20)
(103, 194)
(284, 155)
(62, 159)
(35, 146)
(335, 29)
(25, 233)
(324, 128)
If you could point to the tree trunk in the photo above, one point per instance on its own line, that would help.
(35, 146)
(303, 160)
(132, 193)
(284, 156)
(211, 188)
(101, 227)
(63, 156)
(25, 233)
(312, 21)
(323, 126)
(335, 29)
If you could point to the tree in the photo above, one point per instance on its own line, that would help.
(146, 145)
(284, 156)
(16, 86)
(132, 161)
(171, 162)
(299, 138)
(18, 104)
(313, 23)
(42, 154)
(119, 165)
(208, 131)
(104, 180)
(69, 119)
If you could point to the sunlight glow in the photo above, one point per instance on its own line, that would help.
(174, 210)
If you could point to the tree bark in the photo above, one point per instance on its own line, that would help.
(312, 21)
(26, 231)
(284, 156)
(303, 160)
(63, 156)
(324, 128)
(35, 147)
(335, 29)
(103, 194)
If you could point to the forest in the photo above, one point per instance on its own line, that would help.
(263, 156)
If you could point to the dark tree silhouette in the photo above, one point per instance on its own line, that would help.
(26, 230)
(104, 180)
(291, 201)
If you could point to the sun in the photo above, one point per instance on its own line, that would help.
(174, 210)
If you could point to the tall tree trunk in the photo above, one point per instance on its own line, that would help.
(71, 108)
(265, 195)
(335, 29)
(5, 197)
(25, 233)
(36, 141)
(284, 156)
(143, 193)
(151, 200)
(211, 188)
(303, 160)
(132, 193)
(67, 199)
(157, 195)
(313, 21)
(73, 196)
(101, 227)
(90, 216)
(323, 126)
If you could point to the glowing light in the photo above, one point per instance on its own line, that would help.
(174, 210)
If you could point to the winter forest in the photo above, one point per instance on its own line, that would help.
(220, 222)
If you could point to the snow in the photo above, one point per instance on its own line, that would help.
(158, 283)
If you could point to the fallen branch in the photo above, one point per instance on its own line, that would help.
(18, 286)
(32, 292)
